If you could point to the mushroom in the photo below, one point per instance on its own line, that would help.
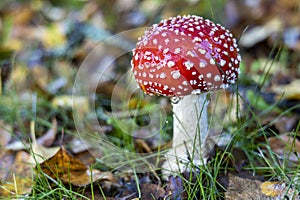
(186, 57)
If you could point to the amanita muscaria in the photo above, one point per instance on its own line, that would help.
(186, 57)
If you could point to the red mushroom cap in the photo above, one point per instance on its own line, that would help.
(185, 55)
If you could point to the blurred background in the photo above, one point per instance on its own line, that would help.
(43, 43)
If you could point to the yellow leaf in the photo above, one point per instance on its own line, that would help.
(13, 44)
(80, 104)
(272, 189)
(290, 91)
(19, 77)
(15, 173)
(54, 36)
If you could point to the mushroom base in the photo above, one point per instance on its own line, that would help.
(190, 132)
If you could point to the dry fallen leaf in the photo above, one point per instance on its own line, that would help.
(86, 157)
(286, 147)
(16, 167)
(281, 124)
(260, 33)
(271, 189)
(62, 162)
(152, 191)
(71, 170)
(243, 188)
(15, 173)
(290, 91)
(278, 190)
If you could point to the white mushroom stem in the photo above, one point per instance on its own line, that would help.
(190, 131)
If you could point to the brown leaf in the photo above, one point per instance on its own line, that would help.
(71, 170)
(243, 188)
(86, 157)
(281, 124)
(286, 146)
(62, 162)
(238, 159)
(15, 173)
(86, 177)
(152, 191)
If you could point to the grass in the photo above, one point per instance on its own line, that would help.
(261, 160)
